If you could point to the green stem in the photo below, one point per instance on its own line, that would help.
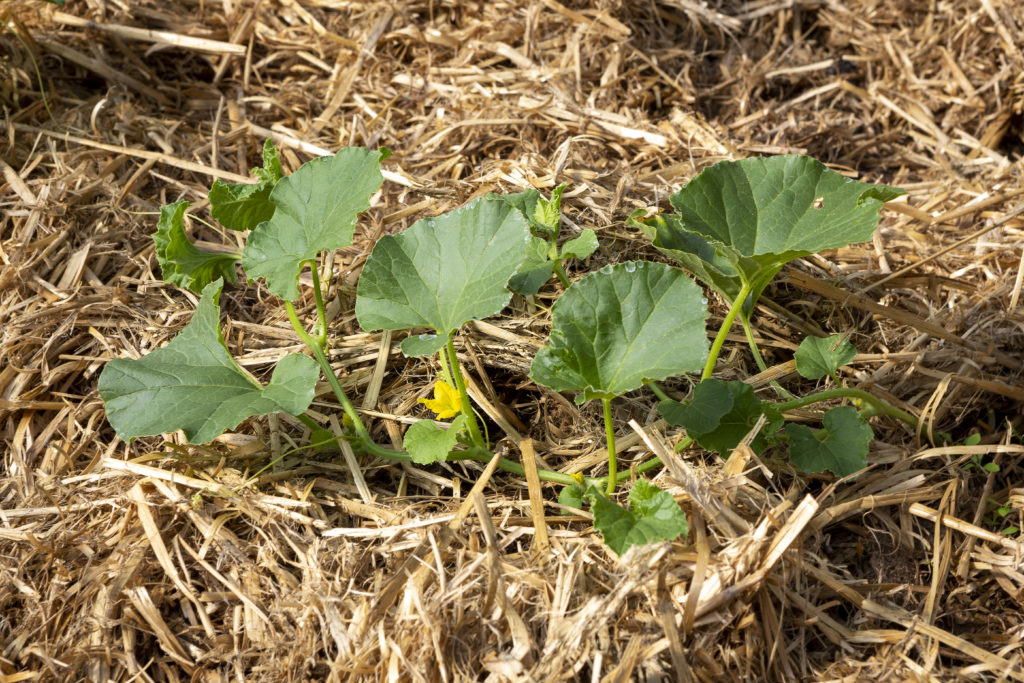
(759, 359)
(609, 432)
(560, 272)
(723, 331)
(877, 406)
(658, 391)
(460, 385)
(325, 366)
(320, 330)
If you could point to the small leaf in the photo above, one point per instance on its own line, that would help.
(817, 356)
(194, 384)
(581, 247)
(324, 440)
(427, 441)
(535, 270)
(720, 414)
(653, 515)
(758, 214)
(443, 272)
(841, 449)
(243, 206)
(446, 402)
(548, 212)
(526, 203)
(315, 210)
(571, 496)
(620, 326)
(181, 262)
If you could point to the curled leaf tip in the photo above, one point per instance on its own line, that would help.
(446, 402)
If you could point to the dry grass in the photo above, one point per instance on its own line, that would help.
(250, 560)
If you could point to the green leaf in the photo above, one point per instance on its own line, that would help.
(535, 270)
(548, 212)
(582, 246)
(571, 496)
(443, 272)
(653, 515)
(841, 448)
(315, 210)
(526, 203)
(243, 206)
(720, 414)
(620, 326)
(324, 440)
(181, 262)
(427, 441)
(817, 356)
(758, 214)
(194, 384)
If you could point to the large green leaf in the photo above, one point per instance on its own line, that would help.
(741, 221)
(653, 515)
(181, 262)
(243, 206)
(194, 385)
(442, 272)
(720, 414)
(841, 448)
(817, 356)
(315, 210)
(620, 326)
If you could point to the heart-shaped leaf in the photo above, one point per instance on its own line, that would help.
(315, 210)
(620, 326)
(653, 515)
(442, 272)
(181, 262)
(817, 356)
(841, 448)
(243, 206)
(427, 441)
(720, 414)
(760, 213)
(194, 384)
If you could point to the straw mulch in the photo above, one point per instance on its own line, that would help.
(254, 559)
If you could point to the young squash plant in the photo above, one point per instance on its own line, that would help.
(612, 332)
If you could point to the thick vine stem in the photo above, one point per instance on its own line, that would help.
(877, 406)
(723, 331)
(560, 272)
(609, 432)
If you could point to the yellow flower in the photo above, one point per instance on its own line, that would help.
(446, 402)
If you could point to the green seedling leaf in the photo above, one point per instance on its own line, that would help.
(181, 262)
(572, 496)
(315, 210)
(194, 384)
(720, 414)
(526, 203)
(817, 357)
(653, 515)
(535, 270)
(620, 326)
(580, 247)
(758, 214)
(427, 441)
(442, 272)
(841, 448)
(548, 212)
(243, 206)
